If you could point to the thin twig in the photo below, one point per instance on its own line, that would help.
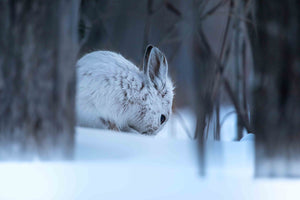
(218, 126)
(165, 39)
(237, 42)
(217, 91)
(147, 23)
(222, 67)
(234, 15)
(227, 115)
(213, 9)
(87, 29)
(244, 83)
(234, 100)
(225, 33)
(202, 6)
(172, 56)
(172, 8)
(184, 126)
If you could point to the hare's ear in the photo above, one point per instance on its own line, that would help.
(155, 66)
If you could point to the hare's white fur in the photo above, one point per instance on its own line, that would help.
(113, 91)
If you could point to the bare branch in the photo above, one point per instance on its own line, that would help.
(239, 111)
(213, 9)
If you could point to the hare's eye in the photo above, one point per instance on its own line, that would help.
(162, 119)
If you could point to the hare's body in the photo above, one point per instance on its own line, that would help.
(105, 77)
(113, 93)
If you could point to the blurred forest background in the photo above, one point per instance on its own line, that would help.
(204, 41)
(242, 53)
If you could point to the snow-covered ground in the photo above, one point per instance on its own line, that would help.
(113, 165)
(182, 125)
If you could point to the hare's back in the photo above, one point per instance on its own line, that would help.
(105, 62)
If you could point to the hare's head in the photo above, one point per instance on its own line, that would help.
(154, 103)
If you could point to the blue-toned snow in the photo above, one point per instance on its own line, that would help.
(112, 165)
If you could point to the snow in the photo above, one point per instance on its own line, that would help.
(113, 165)
(248, 137)
(182, 125)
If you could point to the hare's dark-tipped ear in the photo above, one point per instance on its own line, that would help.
(155, 66)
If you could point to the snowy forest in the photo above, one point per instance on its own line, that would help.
(235, 67)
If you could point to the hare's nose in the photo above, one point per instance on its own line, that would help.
(155, 128)
(151, 131)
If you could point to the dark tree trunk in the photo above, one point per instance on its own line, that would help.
(204, 75)
(277, 88)
(38, 47)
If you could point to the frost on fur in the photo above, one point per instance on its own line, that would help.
(112, 93)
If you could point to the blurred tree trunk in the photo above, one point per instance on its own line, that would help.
(277, 88)
(238, 42)
(204, 76)
(38, 48)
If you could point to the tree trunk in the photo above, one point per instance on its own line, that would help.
(277, 88)
(38, 48)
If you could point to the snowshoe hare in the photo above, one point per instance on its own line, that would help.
(112, 93)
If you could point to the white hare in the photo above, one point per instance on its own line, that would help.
(112, 93)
